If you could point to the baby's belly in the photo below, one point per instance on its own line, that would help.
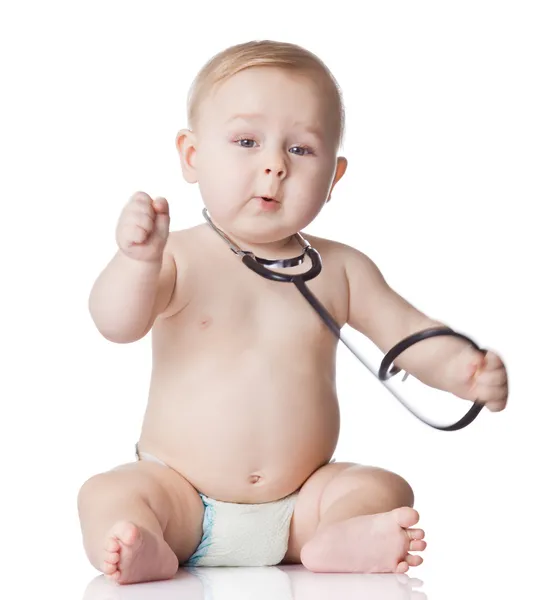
(246, 429)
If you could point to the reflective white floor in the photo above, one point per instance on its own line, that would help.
(296, 583)
(265, 583)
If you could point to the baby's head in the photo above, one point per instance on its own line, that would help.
(265, 119)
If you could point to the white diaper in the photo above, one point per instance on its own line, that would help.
(241, 535)
(244, 535)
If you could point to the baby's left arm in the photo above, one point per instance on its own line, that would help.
(447, 363)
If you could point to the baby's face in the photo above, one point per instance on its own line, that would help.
(290, 140)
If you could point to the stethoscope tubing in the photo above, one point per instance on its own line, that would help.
(383, 374)
(386, 369)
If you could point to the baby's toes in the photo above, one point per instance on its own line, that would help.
(112, 545)
(113, 576)
(413, 560)
(109, 568)
(127, 533)
(406, 516)
(417, 545)
(416, 534)
(112, 557)
(402, 567)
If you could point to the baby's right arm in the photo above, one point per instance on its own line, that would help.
(137, 284)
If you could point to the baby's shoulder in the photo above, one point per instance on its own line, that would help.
(188, 235)
(349, 260)
(331, 249)
(182, 242)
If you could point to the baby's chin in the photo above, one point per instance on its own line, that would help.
(263, 233)
(254, 230)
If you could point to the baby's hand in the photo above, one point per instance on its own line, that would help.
(143, 227)
(480, 377)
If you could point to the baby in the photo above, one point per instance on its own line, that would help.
(234, 462)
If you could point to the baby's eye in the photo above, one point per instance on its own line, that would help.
(241, 140)
(304, 149)
(247, 143)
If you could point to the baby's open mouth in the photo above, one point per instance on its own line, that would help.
(267, 203)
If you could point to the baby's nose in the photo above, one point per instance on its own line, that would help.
(278, 171)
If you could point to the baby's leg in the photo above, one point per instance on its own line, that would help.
(353, 518)
(139, 520)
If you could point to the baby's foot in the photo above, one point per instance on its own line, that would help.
(367, 544)
(133, 555)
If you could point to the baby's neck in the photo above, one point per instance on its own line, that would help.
(278, 250)
(287, 247)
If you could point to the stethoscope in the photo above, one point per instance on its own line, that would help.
(387, 368)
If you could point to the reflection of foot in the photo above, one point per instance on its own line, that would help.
(133, 555)
(182, 585)
(367, 544)
(321, 586)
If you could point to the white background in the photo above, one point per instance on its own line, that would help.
(442, 192)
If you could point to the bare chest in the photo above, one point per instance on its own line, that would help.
(266, 309)
(228, 301)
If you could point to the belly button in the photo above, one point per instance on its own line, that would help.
(254, 478)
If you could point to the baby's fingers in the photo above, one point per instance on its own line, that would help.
(488, 378)
(139, 219)
(160, 205)
(497, 404)
(136, 235)
(492, 361)
(494, 397)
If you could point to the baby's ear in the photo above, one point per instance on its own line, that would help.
(186, 146)
(341, 167)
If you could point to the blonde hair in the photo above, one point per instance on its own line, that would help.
(283, 55)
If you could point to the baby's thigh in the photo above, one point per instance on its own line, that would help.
(173, 500)
(183, 530)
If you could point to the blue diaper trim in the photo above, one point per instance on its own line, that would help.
(208, 525)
